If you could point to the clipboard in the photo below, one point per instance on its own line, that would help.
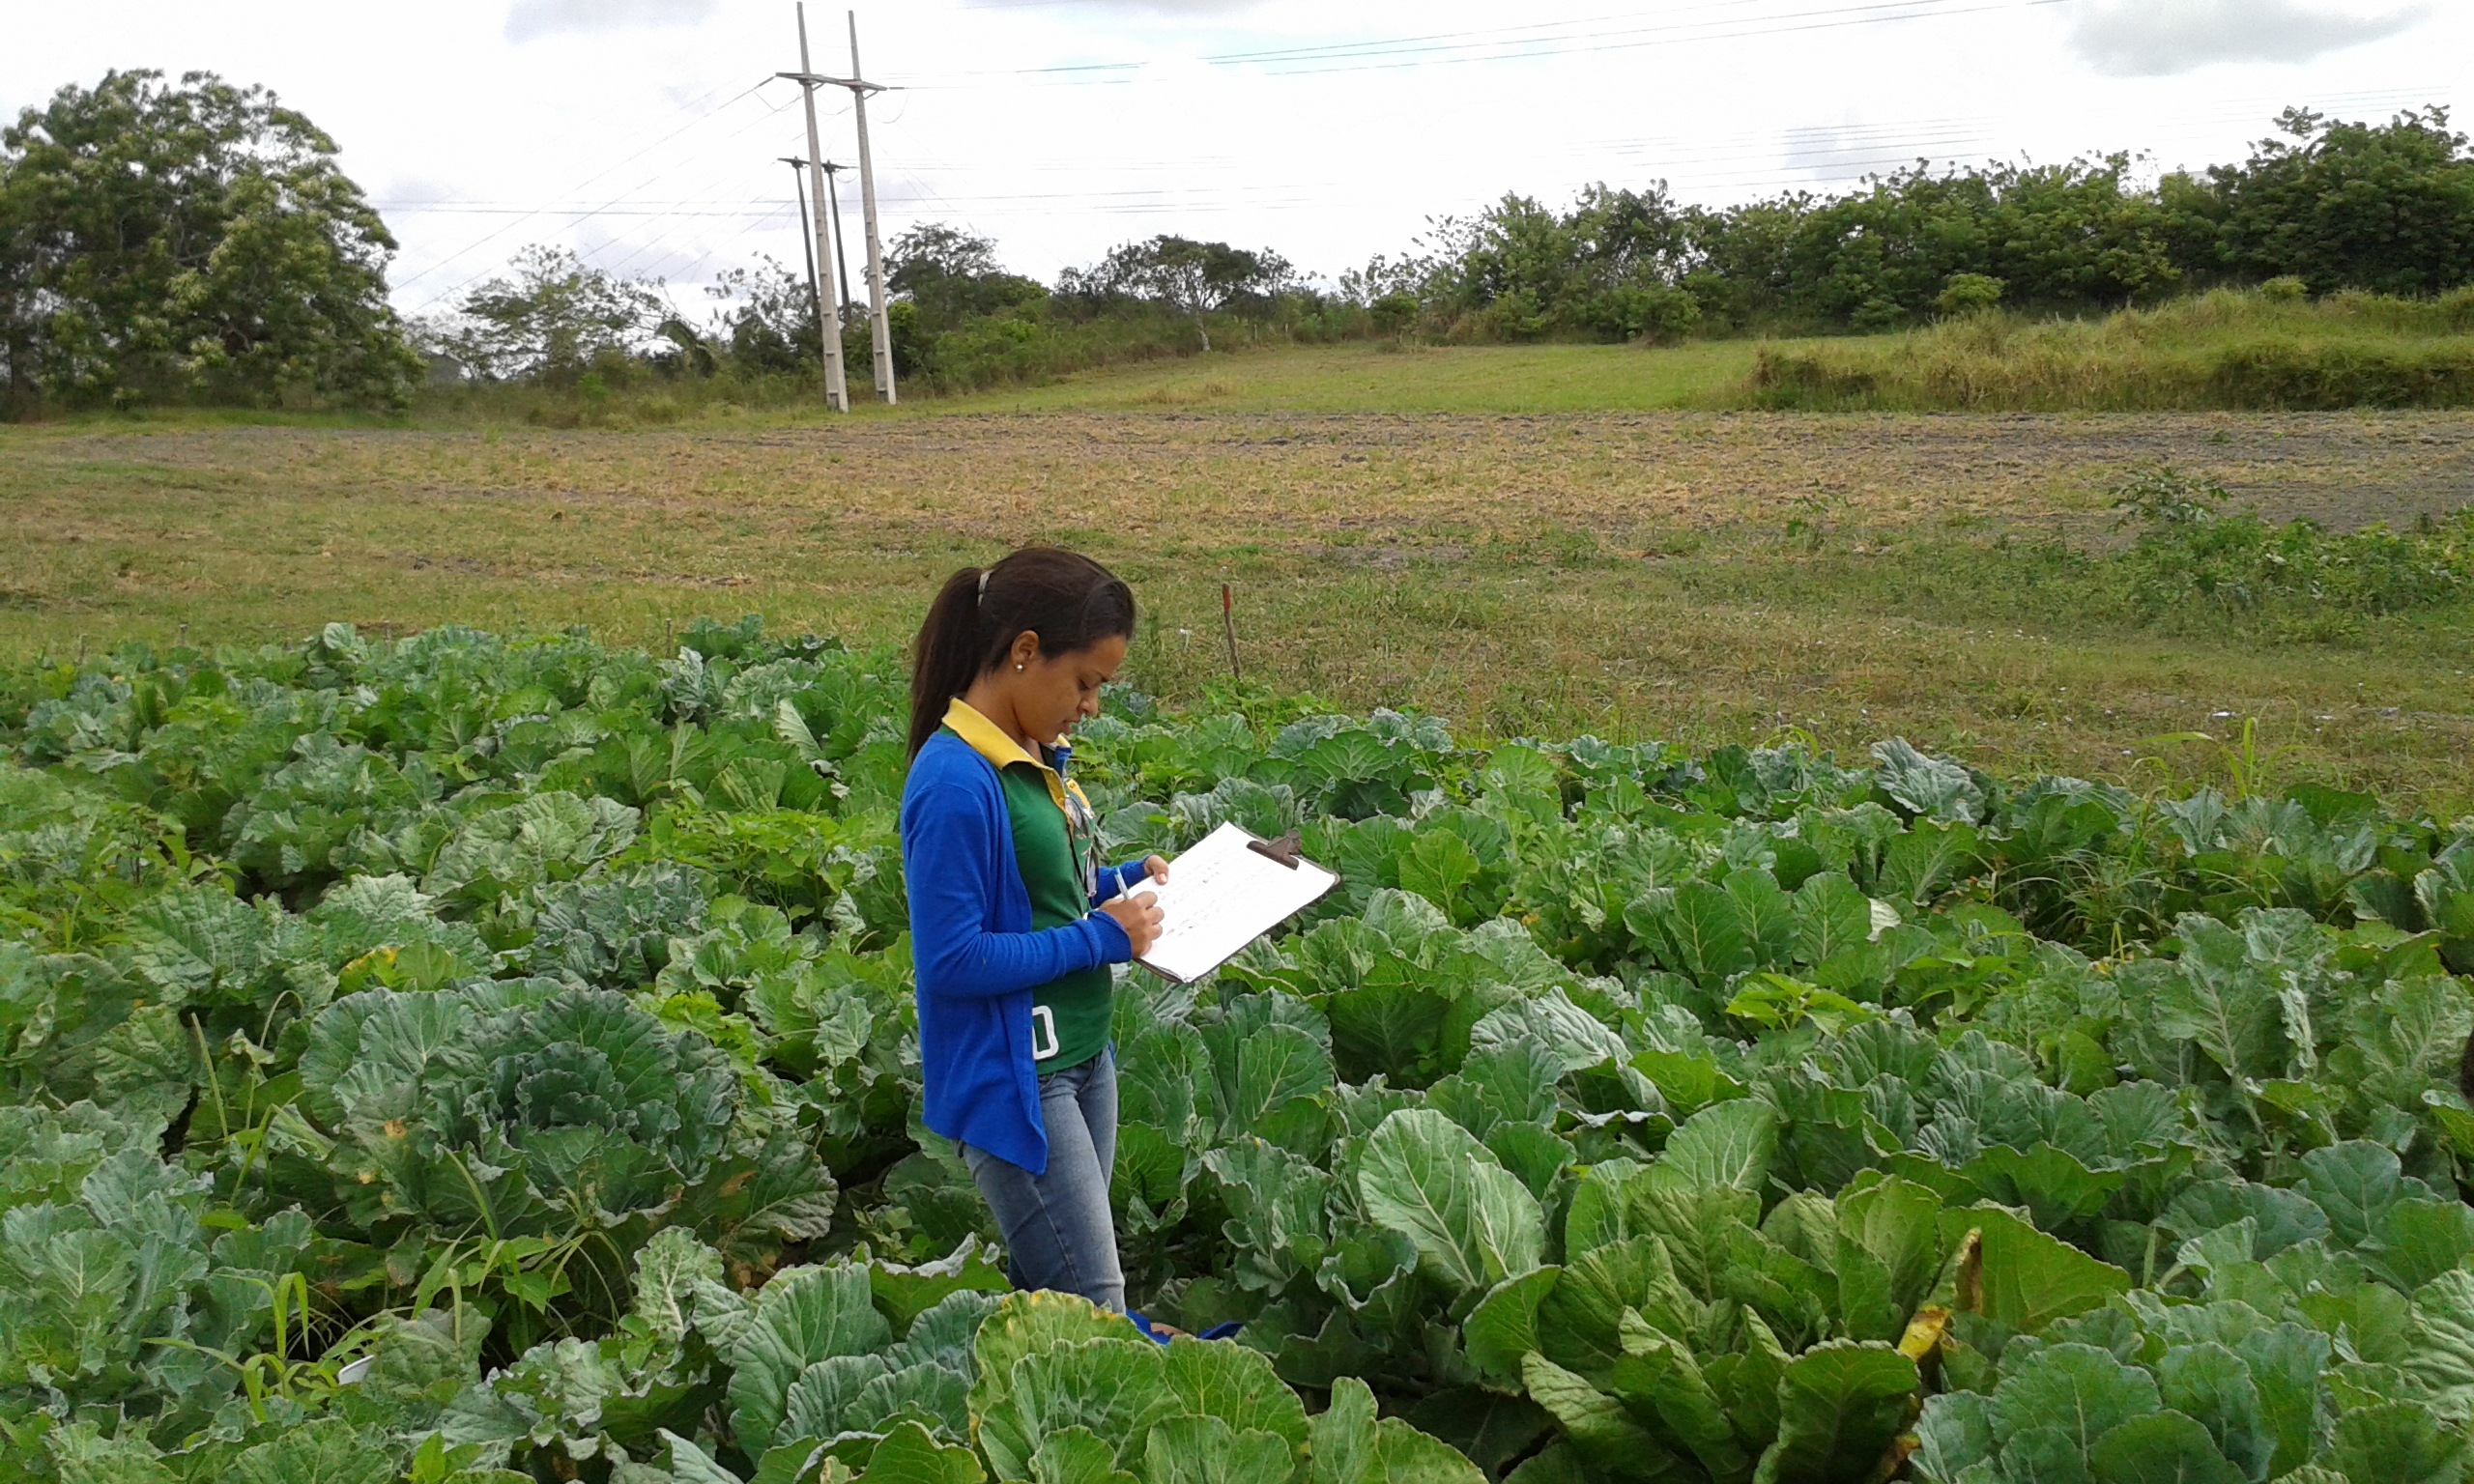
(1231, 889)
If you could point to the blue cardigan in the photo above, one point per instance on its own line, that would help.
(976, 957)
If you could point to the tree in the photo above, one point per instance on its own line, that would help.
(2344, 206)
(1193, 278)
(770, 325)
(554, 317)
(189, 242)
(951, 275)
(1608, 267)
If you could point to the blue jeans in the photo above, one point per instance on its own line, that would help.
(1058, 1230)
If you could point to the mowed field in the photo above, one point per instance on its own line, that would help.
(1491, 552)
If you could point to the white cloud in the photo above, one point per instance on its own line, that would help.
(2162, 37)
(528, 20)
(1155, 6)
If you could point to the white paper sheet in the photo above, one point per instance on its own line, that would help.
(1220, 897)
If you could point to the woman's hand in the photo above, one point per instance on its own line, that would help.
(1139, 917)
(1156, 867)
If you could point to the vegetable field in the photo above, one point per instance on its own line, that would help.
(471, 1060)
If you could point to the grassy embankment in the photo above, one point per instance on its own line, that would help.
(2226, 350)
(1396, 539)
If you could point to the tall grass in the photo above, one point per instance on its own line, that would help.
(2258, 350)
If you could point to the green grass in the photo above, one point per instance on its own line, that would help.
(2223, 350)
(1690, 576)
(1401, 378)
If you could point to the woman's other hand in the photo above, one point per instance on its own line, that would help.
(1139, 917)
(1156, 867)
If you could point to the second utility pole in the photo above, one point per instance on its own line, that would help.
(833, 184)
(859, 92)
(829, 322)
(859, 88)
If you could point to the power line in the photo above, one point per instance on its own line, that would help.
(741, 132)
(602, 174)
(1355, 55)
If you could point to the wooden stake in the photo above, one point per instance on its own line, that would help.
(1229, 625)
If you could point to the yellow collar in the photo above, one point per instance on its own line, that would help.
(989, 741)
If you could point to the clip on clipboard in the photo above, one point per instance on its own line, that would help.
(1283, 850)
(1231, 889)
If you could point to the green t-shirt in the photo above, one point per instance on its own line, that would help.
(1070, 1017)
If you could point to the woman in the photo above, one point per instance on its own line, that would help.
(1013, 921)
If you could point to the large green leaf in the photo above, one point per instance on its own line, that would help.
(903, 1293)
(1277, 1205)
(1840, 1404)
(932, 1394)
(1207, 1450)
(1923, 859)
(1349, 1446)
(1236, 1384)
(2286, 1362)
(1897, 1223)
(1597, 1425)
(804, 1316)
(1600, 1211)
(2394, 1443)
(1728, 1145)
(1392, 1027)
(2443, 1332)
(2216, 998)
(1507, 1081)
(1576, 1038)
(2211, 1385)
(908, 1455)
(690, 1464)
(326, 1452)
(2030, 1279)
(1767, 914)
(1707, 931)
(1504, 1326)
(1921, 784)
(2052, 1183)
(1658, 1379)
(1076, 1455)
(1580, 1320)
(2413, 1241)
(538, 837)
(1831, 917)
(1953, 1435)
(1261, 1069)
(1117, 1388)
(2165, 1447)
(1472, 1221)
(1024, 1325)
(2353, 1184)
(2084, 1391)
(1440, 867)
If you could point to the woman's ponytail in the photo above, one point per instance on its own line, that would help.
(1070, 601)
(947, 657)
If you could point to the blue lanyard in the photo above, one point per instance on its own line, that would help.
(1082, 827)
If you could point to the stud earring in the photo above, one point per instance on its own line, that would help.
(1018, 667)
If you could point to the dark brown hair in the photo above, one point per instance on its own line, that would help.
(1070, 601)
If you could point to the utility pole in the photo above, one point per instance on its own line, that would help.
(807, 240)
(859, 92)
(833, 186)
(837, 391)
(861, 88)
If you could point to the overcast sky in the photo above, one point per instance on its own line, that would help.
(646, 133)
